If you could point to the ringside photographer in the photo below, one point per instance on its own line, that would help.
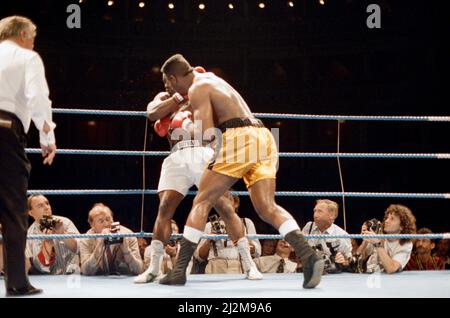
(391, 255)
(336, 252)
(50, 256)
(109, 256)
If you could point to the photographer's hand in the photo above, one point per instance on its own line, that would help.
(125, 246)
(340, 259)
(71, 243)
(100, 240)
(363, 228)
(371, 240)
(59, 227)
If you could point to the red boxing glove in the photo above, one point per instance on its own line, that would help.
(162, 126)
(181, 120)
(199, 69)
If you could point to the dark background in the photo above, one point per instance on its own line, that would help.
(309, 59)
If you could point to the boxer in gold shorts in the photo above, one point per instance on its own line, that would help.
(244, 149)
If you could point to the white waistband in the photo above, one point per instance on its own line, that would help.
(185, 144)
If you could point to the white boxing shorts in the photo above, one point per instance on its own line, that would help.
(184, 167)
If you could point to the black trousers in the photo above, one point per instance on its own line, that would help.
(14, 173)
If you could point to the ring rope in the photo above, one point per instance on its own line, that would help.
(281, 154)
(75, 111)
(341, 178)
(434, 236)
(277, 193)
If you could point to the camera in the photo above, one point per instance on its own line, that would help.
(115, 227)
(373, 225)
(216, 226)
(47, 222)
(358, 264)
(331, 267)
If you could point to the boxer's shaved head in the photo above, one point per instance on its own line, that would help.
(176, 65)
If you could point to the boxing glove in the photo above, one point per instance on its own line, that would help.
(162, 126)
(199, 69)
(181, 120)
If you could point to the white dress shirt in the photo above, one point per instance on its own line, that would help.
(271, 263)
(24, 90)
(66, 261)
(342, 245)
(228, 250)
(398, 252)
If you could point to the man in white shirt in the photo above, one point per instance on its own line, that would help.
(101, 256)
(278, 262)
(170, 252)
(334, 251)
(55, 257)
(389, 256)
(23, 97)
(223, 256)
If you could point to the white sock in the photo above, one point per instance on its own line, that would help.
(288, 226)
(156, 256)
(244, 252)
(192, 234)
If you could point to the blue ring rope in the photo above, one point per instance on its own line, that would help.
(75, 111)
(249, 236)
(277, 193)
(281, 154)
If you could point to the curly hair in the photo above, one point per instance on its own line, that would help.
(407, 219)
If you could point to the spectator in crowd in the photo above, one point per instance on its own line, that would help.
(54, 256)
(278, 262)
(106, 256)
(443, 252)
(336, 252)
(421, 258)
(223, 255)
(170, 252)
(392, 255)
(249, 226)
(268, 247)
(142, 242)
(355, 245)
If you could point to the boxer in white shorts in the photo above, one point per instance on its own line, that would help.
(180, 171)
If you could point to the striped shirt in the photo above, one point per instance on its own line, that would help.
(65, 261)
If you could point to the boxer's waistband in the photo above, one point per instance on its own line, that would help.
(185, 144)
(240, 122)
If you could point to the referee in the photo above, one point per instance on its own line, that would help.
(23, 97)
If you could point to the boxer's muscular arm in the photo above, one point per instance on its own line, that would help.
(162, 105)
(199, 97)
